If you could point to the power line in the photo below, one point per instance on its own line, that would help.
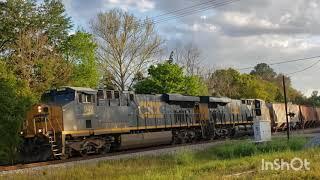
(303, 69)
(187, 13)
(185, 8)
(195, 9)
(283, 62)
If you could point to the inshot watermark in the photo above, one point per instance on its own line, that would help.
(295, 164)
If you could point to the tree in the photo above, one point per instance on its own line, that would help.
(14, 101)
(18, 16)
(230, 83)
(169, 78)
(190, 58)
(224, 82)
(126, 45)
(253, 87)
(195, 86)
(54, 22)
(107, 81)
(264, 71)
(293, 95)
(36, 64)
(31, 37)
(79, 50)
(314, 99)
(314, 93)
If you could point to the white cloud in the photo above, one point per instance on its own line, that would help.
(313, 4)
(286, 18)
(286, 43)
(140, 5)
(114, 1)
(203, 17)
(242, 19)
(203, 27)
(145, 5)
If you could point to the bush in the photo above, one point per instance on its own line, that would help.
(13, 106)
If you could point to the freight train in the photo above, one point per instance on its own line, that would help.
(74, 121)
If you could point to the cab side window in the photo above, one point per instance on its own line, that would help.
(86, 98)
(131, 96)
(80, 97)
(116, 94)
(109, 94)
(100, 94)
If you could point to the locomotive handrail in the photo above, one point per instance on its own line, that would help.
(54, 131)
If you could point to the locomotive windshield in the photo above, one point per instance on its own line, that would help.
(59, 96)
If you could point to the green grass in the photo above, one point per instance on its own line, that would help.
(219, 162)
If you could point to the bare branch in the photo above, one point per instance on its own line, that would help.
(126, 45)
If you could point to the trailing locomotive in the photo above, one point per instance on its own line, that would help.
(81, 121)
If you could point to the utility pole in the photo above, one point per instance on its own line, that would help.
(286, 106)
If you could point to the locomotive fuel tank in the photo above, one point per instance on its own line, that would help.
(145, 139)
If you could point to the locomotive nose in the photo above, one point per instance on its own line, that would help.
(40, 119)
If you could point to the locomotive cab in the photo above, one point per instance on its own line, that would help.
(44, 126)
(46, 118)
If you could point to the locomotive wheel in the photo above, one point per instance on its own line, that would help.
(84, 153)
(105, 149)
(232, 132)
(64, 157)
(176, 139)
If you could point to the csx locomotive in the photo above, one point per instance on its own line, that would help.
(74, 121)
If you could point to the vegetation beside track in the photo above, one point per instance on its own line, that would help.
(220, 161)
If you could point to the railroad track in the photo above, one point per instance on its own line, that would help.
(134, 152)
(155, 150)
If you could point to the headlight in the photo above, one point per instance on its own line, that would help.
(39, 109)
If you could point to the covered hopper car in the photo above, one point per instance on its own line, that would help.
(300, 116)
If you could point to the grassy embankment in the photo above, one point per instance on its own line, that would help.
(219, 162)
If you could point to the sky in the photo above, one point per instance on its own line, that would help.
(238, 35)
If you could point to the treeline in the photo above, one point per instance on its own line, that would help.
(37, 53)
(262, 82)
(40, 50)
